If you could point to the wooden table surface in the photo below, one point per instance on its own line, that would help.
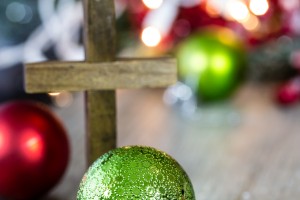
(247, 148)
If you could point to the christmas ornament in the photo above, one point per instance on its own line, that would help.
(34, 150)
(289, 92)
(211, 62)
(135, 172)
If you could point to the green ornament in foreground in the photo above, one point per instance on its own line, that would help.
(135, 172)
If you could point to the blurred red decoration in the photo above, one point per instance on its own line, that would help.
(34, 150)
(289, 92)
(258, 27)
(190, 20)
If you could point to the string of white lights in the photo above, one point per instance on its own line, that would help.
(60, 27)
(158, 22)
(11, 55)
(67, 46)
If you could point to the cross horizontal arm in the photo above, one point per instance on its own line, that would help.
(79, 76)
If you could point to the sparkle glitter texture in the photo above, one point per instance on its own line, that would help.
(135, 172)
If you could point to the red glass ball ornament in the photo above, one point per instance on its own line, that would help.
(289, 93)
(34, 150)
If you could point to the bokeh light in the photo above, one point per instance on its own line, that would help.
(238, 10)
(62, 99)
(54, 94)
(153, 4)
(252, 23)
(18, 13)
(259, 7)
(151, 36)
(1, 139)
(198, 62)
(32, 145)
(4, 140)
(3, 143)
(220, 62)
(212, 10)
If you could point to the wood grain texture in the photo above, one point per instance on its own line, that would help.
(99, 39)
(101, 108)
(99, 30)
(79, 76)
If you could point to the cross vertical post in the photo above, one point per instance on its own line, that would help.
(99, 75)
(99, 39)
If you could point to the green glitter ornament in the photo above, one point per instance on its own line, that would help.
(135, 172)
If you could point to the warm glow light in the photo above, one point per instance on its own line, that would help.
(227, 36)
(61, 99)
(2, 144)
(151, 36)
(220, 62)
(238, 10)
(198, 62)
(1, 139)
(54, 93)
(211, 10)
(4, 141)
(153, 4)
(259, 7)
(32, 145)
(252, 24)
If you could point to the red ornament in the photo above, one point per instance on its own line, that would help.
(34, 150)
(289, 92)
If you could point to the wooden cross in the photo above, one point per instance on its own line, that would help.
(99, 75)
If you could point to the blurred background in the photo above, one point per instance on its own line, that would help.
(218, 44)
(235, 57)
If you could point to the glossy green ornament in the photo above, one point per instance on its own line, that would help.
(211, 62)
(135, 172)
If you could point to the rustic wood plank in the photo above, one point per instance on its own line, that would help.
(79, 76)
(99, 30)
(103, 114)
(99, 38)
